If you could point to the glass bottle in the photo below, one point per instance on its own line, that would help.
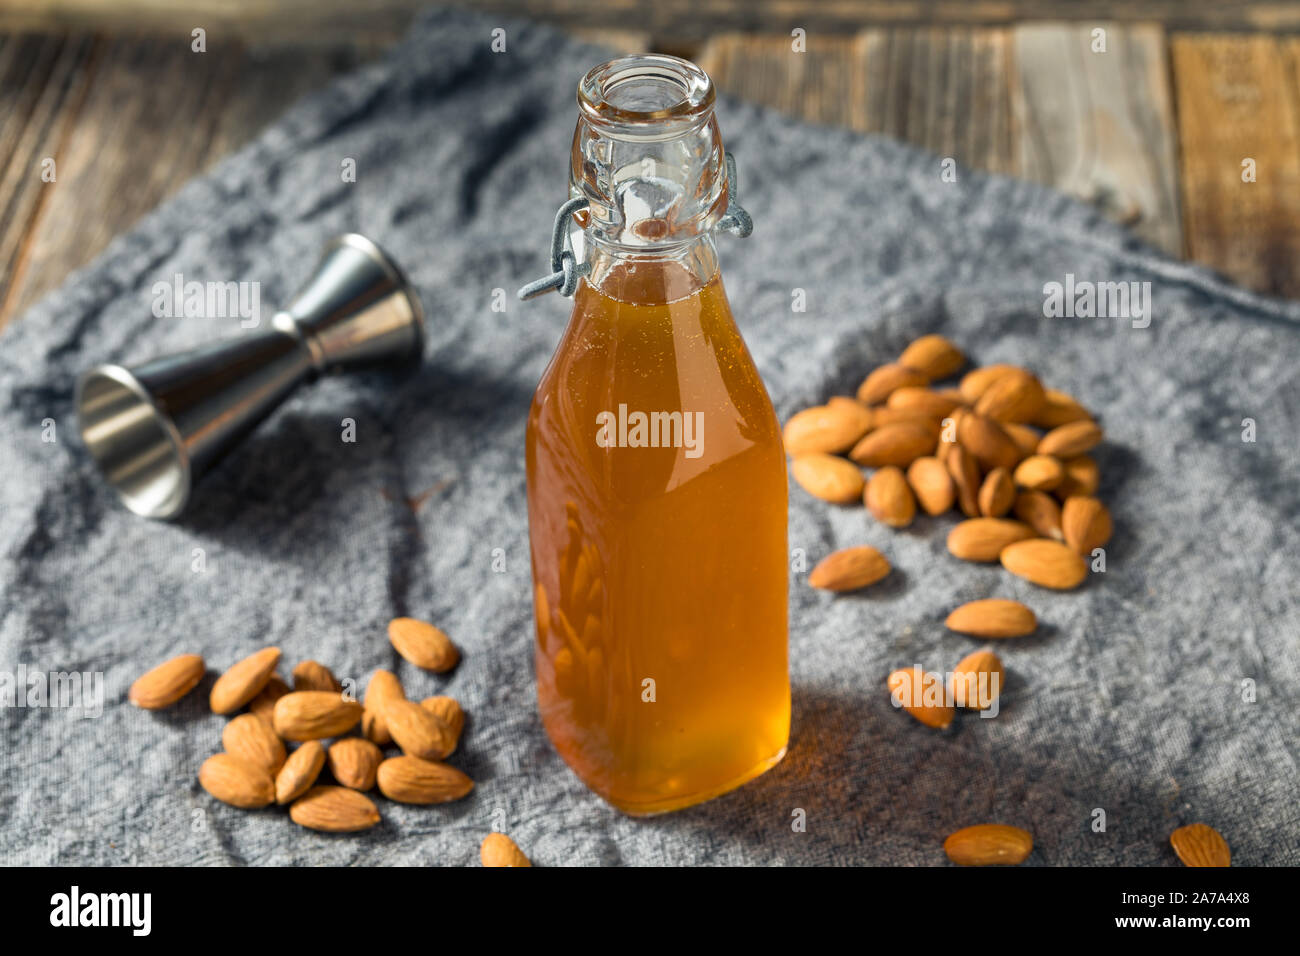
(656, 477)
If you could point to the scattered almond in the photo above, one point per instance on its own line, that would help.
(965, 474)
(1071, 439)
(1059, 409)
(412, 780)
(977, 381)
(312, 675)
(916, 400)
(237, 686)
(923, 696)
(423, 644)
(931, 483)
(167, 683)
(977, 680)
(878, 386)
(988, 843)
(251, 738)
(1200, 845)
(419, 732)
(849, 569)
(889, 499)
(354, 761)
(883, 415)
(827, 429)
(900, 443)
(313, 714)
(984, 539)
(828, 478)
(1039, 473)
(997, 493)
(1049, 564)
(1086, 523)
(1026, 438)
(1040, 511)
(933, 356)
(383, 687)
(499, 850)
(1014, 397)
(334, 810)
(987, 441)
(448, 710)
(236, 782)
(992, 617)
(299, 772)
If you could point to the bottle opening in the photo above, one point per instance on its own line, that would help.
(649, 88)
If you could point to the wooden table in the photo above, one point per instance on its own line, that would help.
(105, 110)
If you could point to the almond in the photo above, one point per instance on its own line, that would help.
(312, 675)
(237, 686)
(167, 683)
(1081, 477)
(449, 711)
(383, 687)
(933, 356)
(828, 478)
(299, 772)
(878, 386)
(251, 738)
(419, 732)
(976, 382)
(334, 810)
(988, 843)
(1200, 845)
(883, 415)
(236, 782)
(1014, 397)
(1085, 522)
(1039, 473)
(889, 499)
(827, 429)
(412, 780)
(977, 680)
(1059, 409)
(1026, 438)
(984, 539)
(354, 761)
(423, 644)
(997, 494)
(313, 714)
(264, 703)
(965, 474)
(917, 400)
(1040, 511)
(1070, 440)
(992, 617)
(900, 444)
(987, 441)
(923, 696)
(499, 850)
(931, 484)
(1048, 564)
(849, 569)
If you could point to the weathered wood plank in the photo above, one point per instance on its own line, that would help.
(1237, 100)
(1094, 118)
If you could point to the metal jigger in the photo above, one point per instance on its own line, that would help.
(153, 430)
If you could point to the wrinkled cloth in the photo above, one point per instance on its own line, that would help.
(1161, 693)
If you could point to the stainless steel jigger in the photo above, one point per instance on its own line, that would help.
(154, 429)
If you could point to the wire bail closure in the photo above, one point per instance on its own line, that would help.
(566, 270)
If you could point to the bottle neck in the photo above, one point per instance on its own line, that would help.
(650, 276)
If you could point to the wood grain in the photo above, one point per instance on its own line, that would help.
(1098, 123)
(1238, 99)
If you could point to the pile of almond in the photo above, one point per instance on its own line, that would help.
(256, 768)
(1010, 454)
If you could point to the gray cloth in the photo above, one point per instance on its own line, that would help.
(1129, 700)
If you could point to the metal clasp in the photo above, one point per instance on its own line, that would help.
(566, 270)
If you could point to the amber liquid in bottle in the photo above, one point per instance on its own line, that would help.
(660, 572)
